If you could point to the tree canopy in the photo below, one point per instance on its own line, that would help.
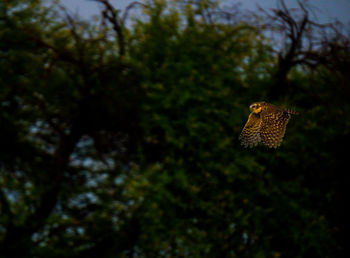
(119, 135)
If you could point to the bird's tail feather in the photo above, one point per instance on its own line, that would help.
(293, 112)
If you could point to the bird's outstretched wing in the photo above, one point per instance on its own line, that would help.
(273, 127)
(250, 135)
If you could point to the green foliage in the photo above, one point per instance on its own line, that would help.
(105, 155)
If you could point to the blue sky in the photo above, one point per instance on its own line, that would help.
(328, 9)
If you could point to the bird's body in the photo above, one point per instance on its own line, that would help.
(267, 124)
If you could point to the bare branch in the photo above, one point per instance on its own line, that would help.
(299, 38)
(129, 8)
(111, 14)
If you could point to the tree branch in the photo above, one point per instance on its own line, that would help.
(112, 15)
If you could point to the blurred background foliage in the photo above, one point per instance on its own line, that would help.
(122, 140)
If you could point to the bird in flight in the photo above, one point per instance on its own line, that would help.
(266, 123)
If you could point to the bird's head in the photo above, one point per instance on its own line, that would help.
(256, 107)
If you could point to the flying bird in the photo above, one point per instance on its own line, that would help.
(266, 123)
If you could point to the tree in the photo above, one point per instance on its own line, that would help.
(63, 90)
(121, 141)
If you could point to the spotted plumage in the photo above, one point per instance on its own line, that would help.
(267, 124)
